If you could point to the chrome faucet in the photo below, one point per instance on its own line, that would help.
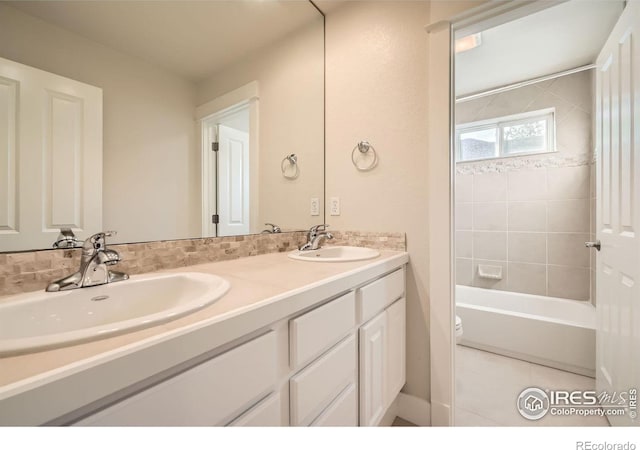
(66, 239)
(315, 236)
(93, 266)
(274, 228)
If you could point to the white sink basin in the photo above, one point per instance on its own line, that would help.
(40, 320)
(335, 254)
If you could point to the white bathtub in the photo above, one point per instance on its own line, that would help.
(550, 331)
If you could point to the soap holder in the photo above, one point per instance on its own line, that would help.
(491, 272)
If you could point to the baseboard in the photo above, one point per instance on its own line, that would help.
(413, 409)
(441, 415)
(390, 415)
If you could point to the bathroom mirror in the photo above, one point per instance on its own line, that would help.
(203, 104)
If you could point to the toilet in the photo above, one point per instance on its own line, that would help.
(458, 329)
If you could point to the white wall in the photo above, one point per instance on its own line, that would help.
(376, 87)
(381, 88)
(291, 95)
(149, 130)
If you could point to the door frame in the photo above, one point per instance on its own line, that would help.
(244, 97)
(449, 18)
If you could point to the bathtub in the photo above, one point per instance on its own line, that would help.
(553, 332)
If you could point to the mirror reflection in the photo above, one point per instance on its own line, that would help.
(161, 120)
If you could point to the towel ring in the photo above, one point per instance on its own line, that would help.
(292, 159)
(363, 147)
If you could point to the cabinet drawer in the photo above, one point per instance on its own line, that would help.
(211, 393)
(314, 332)
(313, 389)
(376, 296)
(267, 413)
(343, 412)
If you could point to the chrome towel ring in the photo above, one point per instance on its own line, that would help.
(363, 148)
(289, 162)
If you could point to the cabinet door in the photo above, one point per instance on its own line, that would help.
(396, 359)
(372, 370)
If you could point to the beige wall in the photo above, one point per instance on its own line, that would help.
(148, 123)
(376, 91)
(291, 96)
(529, 215)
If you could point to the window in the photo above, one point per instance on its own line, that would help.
(517, 135)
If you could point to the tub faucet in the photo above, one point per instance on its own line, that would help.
(315, 236)
(94, 264)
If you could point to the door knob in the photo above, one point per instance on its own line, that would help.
(594, 244)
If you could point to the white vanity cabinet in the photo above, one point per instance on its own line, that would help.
(341, 363)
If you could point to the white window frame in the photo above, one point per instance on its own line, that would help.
(499, 123)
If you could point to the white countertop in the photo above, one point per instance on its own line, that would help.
(38, 387)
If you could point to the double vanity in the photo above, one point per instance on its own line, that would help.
(304, 338)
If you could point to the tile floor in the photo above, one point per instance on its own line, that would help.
(488, 385)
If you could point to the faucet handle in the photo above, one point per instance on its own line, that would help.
(97, 241)
(274, 228)
(321, 227)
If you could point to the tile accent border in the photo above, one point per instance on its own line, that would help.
(381, 241)
(32, 271)
(502, 165)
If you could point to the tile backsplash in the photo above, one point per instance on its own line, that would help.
(32, 271)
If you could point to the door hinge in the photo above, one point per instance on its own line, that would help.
(215, 146)
(215, 218)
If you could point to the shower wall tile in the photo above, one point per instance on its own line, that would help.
(490, 216)
(528, 216)
(573, 132)
(464, 271)
(527, 185)
(569, 183)
(527, 247)
(528, 278)
(464, 244)
(568, 282)
(464, 188)
(548, 199)
(490, 245)
(567, 249)
(464, 216)
(490, 187)
(569, 216)
(575, 88)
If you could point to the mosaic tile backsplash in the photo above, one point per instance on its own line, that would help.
(32, 271)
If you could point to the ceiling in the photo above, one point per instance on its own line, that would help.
(193, 39)
(562, 37)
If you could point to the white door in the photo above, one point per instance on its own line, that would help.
(233, 181)
(618, 209)
(50, 157)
